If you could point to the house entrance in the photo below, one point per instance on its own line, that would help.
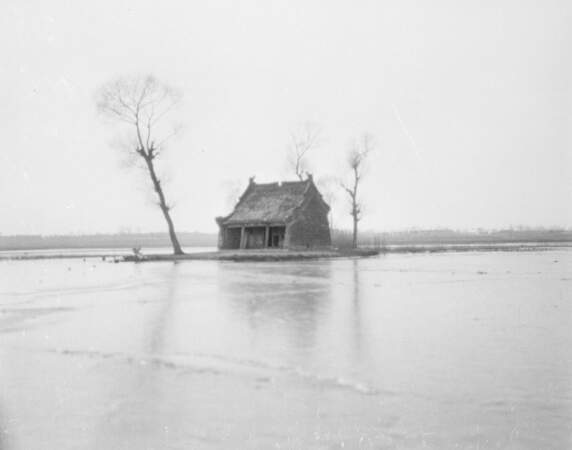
(276, 237)
(255, 237)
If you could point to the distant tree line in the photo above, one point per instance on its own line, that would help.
(340, 239)
(368, 238)
(120, 240)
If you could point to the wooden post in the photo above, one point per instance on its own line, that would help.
(221, 237)
(286, 238)
(266, 236)
(242, 238)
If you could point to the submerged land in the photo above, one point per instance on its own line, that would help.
(258, 255)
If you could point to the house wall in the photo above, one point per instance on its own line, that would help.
(229, 238)
(310, 228)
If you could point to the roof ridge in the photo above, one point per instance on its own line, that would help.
(275, 183)
(294, 182)
(269, 202)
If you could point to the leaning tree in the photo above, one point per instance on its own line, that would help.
(356, 157)
(142, 105)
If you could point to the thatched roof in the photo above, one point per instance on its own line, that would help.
(269, 203)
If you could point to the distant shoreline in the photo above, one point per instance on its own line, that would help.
(283, 255)
(340, 238)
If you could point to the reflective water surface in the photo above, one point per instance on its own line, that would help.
(460, 350)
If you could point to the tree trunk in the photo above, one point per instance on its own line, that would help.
(354, 240)
(355, 207)
(177, 250)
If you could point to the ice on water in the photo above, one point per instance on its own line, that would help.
(452, 350)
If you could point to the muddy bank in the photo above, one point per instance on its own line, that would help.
(288, 255)
(257, 255)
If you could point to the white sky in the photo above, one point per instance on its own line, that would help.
(470, 102)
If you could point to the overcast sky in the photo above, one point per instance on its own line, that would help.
(470, 103)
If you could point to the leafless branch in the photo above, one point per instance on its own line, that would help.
(176, 131)
(140, 102)
(302, 140)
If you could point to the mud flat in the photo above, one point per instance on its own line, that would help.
(257, 255)
(289, 255)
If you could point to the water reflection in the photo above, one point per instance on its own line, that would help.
(356, 311)
(392, 354)
(4, 444)
(141, 383)
(159, 324)
(285, 302)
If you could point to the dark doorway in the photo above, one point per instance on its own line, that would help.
(255, 237)
(276, 237)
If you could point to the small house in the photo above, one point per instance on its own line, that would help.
(291, 215)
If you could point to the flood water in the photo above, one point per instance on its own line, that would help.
(455, 350)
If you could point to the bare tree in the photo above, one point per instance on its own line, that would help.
(142, 104)
(357, 154)
(302, 140)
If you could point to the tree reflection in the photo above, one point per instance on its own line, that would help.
(4, 443)
(159, 325)
(356, 310)
(138, 419)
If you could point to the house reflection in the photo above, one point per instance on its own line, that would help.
(281, 303)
